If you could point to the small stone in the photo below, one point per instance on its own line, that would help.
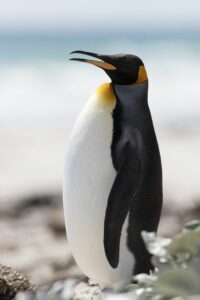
(68, 289)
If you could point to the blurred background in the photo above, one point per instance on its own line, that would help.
(42, 92)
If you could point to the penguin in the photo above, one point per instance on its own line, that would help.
(112, 188)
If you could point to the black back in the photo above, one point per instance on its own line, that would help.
(137, 190)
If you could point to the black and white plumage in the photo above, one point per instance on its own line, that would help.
(113, 176)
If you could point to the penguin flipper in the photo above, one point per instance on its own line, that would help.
(124, 189)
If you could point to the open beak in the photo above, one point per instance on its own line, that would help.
(103, 63)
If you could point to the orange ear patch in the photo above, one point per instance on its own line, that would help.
(106, 95)
(142, 75)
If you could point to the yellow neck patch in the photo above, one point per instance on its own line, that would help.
(106, 95)
(142, 75)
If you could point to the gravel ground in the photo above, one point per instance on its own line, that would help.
(34, 243)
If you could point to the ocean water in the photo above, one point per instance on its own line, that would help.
(37, 80)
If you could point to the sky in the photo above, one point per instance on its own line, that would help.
(78, 15)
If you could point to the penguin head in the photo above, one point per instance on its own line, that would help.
(123, 69)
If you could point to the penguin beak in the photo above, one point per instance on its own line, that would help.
(103, 64)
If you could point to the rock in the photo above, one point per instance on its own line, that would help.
(86, 291)
(11, 282)
(69, 289)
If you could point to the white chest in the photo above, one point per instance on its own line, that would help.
(88, 178)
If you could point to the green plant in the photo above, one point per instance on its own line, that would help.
(177, 263)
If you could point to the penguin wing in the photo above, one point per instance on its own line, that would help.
(124, 189)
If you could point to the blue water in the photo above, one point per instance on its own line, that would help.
(56, 47)
(38, 81)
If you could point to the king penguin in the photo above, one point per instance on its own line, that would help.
(113, 176)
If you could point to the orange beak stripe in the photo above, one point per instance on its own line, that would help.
(101, 64)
